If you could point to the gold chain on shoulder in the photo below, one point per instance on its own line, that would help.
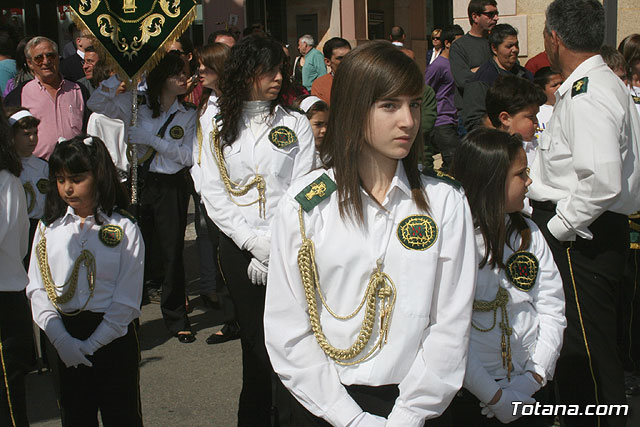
(199, 137)
(31, 196)
(233, 189)
(377, 290)
(500, 302)
(71, 284)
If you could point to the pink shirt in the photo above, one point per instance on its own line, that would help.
(59, 117)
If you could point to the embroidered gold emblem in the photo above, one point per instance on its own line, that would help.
(110, 235)
(417, 232)
(522, 270)
(43, 186)
(282, 136)
(176, 132)
(30, 195)
(316, 190)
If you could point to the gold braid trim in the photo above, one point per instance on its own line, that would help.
(199, 136)
(377, 289)
(31, 195)
(501, 301)
(71, 284)
(233, 189)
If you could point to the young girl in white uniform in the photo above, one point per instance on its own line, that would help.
(372, 266)
(518, 312)
(85, 286)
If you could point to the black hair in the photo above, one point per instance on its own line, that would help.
(23, 73)
(212, 37)
(75, 156)
(450, 32)
(27, 122)
(511, 94)
(613, 59)
(477, 7)
(9, 158)
(578, 23)
(171, 65)
(7, 46)
(397, 33)
(333, 44)
(248, 59)
(501, 32)
(542, 77)
(481, 164)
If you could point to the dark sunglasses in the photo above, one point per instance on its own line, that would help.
(490, 14)
(435, 38)
(39, 59)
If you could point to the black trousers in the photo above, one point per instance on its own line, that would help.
(111, 385)
(589, 369)
(15, 354)
(629, 314)
(446, 140)
(163, 220)
(256, 395)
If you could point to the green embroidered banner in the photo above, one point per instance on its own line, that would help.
(132, 33)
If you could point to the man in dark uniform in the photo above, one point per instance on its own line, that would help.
(585, 183)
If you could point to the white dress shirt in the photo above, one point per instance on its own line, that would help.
(206, 126)
(175, 153)
(536, 317)
(34, 170)
(14, 233)
(427, 341)
(118, 281)
(250, 155)
(588, 160)
(543, 116)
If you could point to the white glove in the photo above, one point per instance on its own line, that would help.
(503, 408)
(257, 272)
(366, 419)
(87, 348)
(137, 135)
(523, 383)
(259, 247)
(69, 351)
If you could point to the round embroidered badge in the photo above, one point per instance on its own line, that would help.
(417, 232)
(110, 235)
(43, 186)
(282, 136)
(522, 270)
(176, 132)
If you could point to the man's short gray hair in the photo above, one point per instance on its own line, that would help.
(578, 23)
(35, 42)
(307, 39)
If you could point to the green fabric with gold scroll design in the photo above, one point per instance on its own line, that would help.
(133, 32)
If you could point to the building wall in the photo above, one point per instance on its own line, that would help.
(218, 14)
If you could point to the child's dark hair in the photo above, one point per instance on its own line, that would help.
(9, 158)
(78, 155)
(28, 122)
(170, 65)
(542, 77)
(317, 107)
(481, 164)
(511, 94)
(614, 59)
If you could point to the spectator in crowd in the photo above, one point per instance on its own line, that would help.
(58, 103)
(183, 46)
(314, 65)
(549, 81)
(23, 74)
(586, 178)
(397, 38)
(71, 67)
(630, 49)
(334, 51)
(91, 58)
(437, 46)
(222, 36)
(69, 48)
(537, 62)
(7, 63)
(472, 50)
(444, 137)
(503, 41)
(317, 111)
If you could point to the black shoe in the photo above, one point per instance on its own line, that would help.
(186, 338)
(229, 333)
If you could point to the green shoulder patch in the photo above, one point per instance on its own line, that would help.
(282, 136)
(111, 235)
(579, 86)
(176, 132)
(636, 99)
(442, 176)
(417, 232)
(316, 192)
(522, 270)
(43, 186)
(125, 213)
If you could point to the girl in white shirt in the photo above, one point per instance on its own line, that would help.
(518, 312)
(85, 286)
(372, 265)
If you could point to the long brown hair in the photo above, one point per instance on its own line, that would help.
(212, 56)
(373, 71)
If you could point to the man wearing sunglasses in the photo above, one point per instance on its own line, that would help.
(58, 103)
(472, 50)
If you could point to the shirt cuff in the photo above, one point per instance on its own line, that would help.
(402, 417)
(240, 238)
(159, 144)
(559, 230)
(544, 359)
(344, 411)
(55, 329)
(112, 83)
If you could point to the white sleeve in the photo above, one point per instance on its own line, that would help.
(548, 295)
(125, 303)
(305, 160)
(295, 355)
(105, 100)
(179, 153)
(478, 381)
(437, 373)
(14, 213)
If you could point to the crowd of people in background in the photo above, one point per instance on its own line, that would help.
(369, 283)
